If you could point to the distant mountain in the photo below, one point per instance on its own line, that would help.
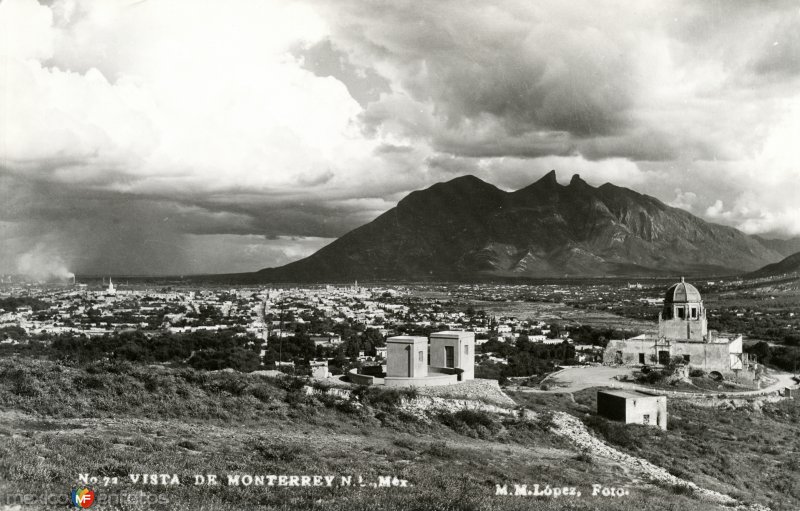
(783, 247)
(787, 266)
(467, 228)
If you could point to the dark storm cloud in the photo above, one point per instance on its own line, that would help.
(513, 76)
(94, 231)
(780, 54)
(142, 142)
(599, 79)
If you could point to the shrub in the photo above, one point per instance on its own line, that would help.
(613, 432)
(240, 359)
(406, 443)
(297, 398)
(697, 373)
(473, 423)
(383, 399)
(278, 452)
(291, 384)
(651, 378)
(682, 489)
(262, 393)
(348, 406)
(440, 450)
(22, 383)
(89, 382)
(188, 444)
(544, 421)
(150, 382)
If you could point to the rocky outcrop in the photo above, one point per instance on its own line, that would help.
(488, 391)
(424, 406)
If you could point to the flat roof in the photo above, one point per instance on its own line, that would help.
(711, 340)
(451, 333)
(407, 339)
(629, 394)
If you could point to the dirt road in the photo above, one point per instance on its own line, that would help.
(573, 379)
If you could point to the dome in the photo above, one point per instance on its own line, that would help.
(682, 293)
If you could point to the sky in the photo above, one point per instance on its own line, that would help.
(182, 137)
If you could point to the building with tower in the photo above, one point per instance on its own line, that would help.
(684, 316)
(111, 291)
(683, 332)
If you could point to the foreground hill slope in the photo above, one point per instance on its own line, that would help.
(135, 419)
(467, 228)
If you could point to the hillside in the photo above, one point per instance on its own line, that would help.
(130, 419)
(467, 228)
(785, 247)
(787, 266)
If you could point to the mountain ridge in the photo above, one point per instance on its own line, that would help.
(787, 266)
(468, 228)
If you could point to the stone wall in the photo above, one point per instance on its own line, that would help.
(426, 381)
(359, 379)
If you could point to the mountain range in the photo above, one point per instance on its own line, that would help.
(466, 229)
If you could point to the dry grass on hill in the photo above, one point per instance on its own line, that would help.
(110, 419)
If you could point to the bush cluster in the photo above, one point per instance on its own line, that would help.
(613, 432)
(472, 423)
(383, 399)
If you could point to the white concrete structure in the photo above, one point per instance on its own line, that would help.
(454, 349)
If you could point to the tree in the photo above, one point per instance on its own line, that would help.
(270, 357)
(761, 351)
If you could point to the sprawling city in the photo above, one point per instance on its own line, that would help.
(306, 357)
(370, 255)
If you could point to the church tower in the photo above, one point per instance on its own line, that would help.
(683, 317)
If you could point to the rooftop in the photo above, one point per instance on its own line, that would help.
(629, 394)
(407, 339)
(682, 292)
(451, 333)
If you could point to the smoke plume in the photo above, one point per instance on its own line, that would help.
(40, 265)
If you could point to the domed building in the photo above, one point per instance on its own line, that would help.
(683, 332)
(683, 316)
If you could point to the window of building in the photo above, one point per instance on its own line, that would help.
(641, 358)
(681, 313)
(694, 312)
(646, 419)
(686, 358)
(466, 349)
(421, 356)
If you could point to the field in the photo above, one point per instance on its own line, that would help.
(567, 315)
(115, 419)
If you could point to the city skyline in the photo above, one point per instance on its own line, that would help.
(141, 137)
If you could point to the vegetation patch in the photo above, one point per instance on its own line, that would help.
(472, 423)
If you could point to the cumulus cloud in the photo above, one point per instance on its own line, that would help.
(717, 211)
(686, 200)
